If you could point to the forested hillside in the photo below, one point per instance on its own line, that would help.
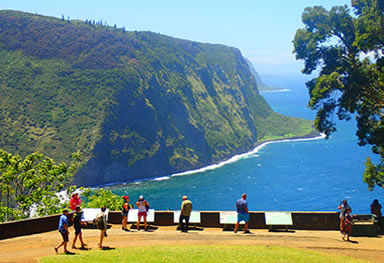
(136, 104)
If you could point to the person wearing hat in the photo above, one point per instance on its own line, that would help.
(124, 213)
(78, 218)
(63, 229)
(185, 213)
(75, 201)
(143, 207)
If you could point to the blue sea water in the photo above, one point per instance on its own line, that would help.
(310, 175)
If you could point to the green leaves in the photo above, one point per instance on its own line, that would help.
(335, 42)
(101, 197)
(33, 183)
(373, 175)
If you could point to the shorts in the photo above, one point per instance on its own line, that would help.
(142, 214)
(65, 236)
(101, 227)
(242, 217)
(77, 230)
(124, 213)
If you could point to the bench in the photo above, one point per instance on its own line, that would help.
(278, 219)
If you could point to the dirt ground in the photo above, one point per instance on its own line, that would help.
(31, 248)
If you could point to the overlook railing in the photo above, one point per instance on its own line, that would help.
(301, 221)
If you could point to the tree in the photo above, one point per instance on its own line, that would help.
(33, 182)
(101, 197)
(348, 51)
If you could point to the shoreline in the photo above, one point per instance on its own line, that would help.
(258, 146)
(276, 90)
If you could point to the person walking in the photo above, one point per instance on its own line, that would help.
(185, 213)
(343, 207)
(124, 213)
(242, 213)
(143, 207)
(347, 228)
(101, 220)
(63, 229)
(78, 218)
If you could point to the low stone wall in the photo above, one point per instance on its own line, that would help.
(29, 226)
(301, 221)
(315, 220)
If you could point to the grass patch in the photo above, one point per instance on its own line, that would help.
(205, 253)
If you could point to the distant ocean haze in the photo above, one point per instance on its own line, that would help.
(313, 175)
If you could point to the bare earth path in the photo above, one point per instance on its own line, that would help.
(31, 248)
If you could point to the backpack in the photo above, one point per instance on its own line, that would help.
(99, 220)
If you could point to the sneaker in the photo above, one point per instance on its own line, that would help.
(247, 232)
(69, 253)
(56, 250)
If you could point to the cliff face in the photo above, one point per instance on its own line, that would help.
(260, 84)
(137, 104)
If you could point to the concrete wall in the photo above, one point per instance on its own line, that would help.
(315, 220)
(301, 220)
(29, 226)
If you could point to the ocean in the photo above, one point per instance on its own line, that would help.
(304, 175)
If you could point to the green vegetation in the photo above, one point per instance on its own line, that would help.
(101, 197)
(202, 254)
(136, 104)
(347, 49)
(293, 127)
(33, 182)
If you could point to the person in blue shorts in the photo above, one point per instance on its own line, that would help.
(63, 229)
(242, 213)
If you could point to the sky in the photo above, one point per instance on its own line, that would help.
(262, 30)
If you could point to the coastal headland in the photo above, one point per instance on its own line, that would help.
(135, 104)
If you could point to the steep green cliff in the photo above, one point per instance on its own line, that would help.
(261, 86)
(137, 104)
